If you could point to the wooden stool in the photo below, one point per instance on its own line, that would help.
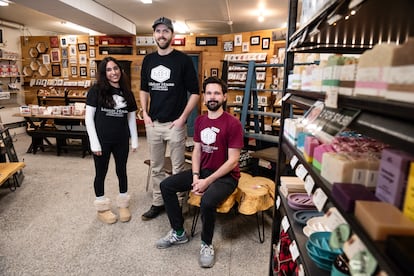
(9, 170)
(256, 195)
(224, 207)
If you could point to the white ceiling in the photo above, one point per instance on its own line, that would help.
(132, 17)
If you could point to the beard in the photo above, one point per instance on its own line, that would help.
(165, 44)
(214, 105)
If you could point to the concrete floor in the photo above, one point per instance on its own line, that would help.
(48, 226)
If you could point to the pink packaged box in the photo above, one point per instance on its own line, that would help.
(392, 176)
(310, 144)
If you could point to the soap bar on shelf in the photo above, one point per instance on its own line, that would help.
(392, 176)
(408, 208)
(381, 219)
(346, 194)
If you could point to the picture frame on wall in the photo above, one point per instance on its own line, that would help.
(55, 55)
(238, 40)
(255, 40)
(56, 70)
(65, 63)
(54, 42)
(83, 71)
(92, 52)
(265, 43)
(82, 47)
(93, 73)
(65, 52)
(228, 46)
(46, 59)
(92, 41)
(74, 70)
(214, 72)
(63, 42)
(245, 47)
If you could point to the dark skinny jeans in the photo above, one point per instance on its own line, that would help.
(215, 194)
(120, 152)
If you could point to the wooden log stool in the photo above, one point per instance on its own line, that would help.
(256, 195)
(9, 170)
(194, 200)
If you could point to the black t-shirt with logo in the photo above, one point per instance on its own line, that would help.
(111, 123)
(168, 79)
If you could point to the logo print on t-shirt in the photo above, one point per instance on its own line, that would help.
(119, 101)
(209, 136)
(160, 73)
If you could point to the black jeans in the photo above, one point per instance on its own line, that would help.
(215, 194)
(120, 152)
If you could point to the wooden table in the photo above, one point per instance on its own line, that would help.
(62, 127)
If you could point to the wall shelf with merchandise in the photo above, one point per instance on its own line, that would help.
(387, 121)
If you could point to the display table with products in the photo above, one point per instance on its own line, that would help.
(61, 127)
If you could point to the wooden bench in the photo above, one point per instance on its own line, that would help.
(41, 134)
(9, 170)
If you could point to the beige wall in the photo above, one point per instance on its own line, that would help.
(210, 57)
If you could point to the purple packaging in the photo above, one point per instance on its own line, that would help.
(392, 176)
(346, 194)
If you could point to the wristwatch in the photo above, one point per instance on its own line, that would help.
(196, 173)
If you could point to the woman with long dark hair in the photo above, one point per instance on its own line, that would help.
(110, 122)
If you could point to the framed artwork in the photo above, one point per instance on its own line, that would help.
(55, 55)
(178, 41)
(65, 73)
(46, 59)
(72, 39)
(93, 73)
(72, 50)
(206, 41)
(63, 42)
(56, 70)
(238, 40)
(92, 41)
(83, 59)
(82, 47)
(92, 52)
(245, 47)
(54, 42)
(228, 46)
(214, 72)
(65, 52)
(265, 43)
(83, 71)
(255, 40)
(74, 70)
(65, 63)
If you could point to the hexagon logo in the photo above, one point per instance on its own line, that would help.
(160, 73)
(208, 136)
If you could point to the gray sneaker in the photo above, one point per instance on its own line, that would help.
(171, 239)
(206, 256)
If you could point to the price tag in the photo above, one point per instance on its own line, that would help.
(293, 248)
(285, 223)
(352, 246)
(334, 218)
(294, 161)
(309, 184)
(331, 98)
(301, 172)
(319, 199)
(277, 202)
(285, 97)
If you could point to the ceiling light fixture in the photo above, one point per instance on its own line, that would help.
(146, 1)
(4, 3)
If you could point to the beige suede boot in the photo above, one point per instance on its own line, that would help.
(104, 211)
(123, 204)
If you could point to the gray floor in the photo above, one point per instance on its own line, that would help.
(48, 226)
